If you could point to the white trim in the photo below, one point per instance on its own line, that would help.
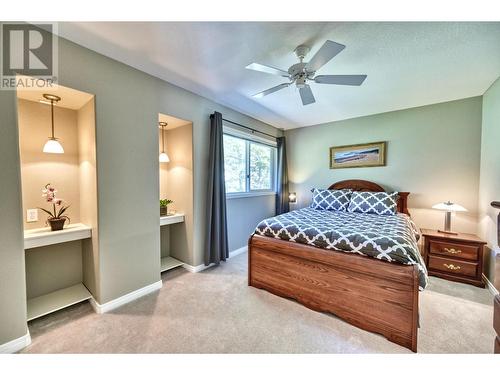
(239, 251)
(235, 131)
(249, 194)
(44, 236)
(201, 267)
(129, 297)
(171, 219)
(16, 345)
(195, 269)
(490, 286)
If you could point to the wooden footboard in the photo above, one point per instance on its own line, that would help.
(374, 295)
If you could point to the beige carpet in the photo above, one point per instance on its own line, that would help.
(216, 312)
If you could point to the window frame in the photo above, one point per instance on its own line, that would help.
(249, 139)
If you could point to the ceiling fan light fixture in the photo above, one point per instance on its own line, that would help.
(302, 72)
(301, 82)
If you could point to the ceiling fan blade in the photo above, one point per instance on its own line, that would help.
(271, 90)
(327, 52)
(350, 80)
(306, 95)
(268, 69)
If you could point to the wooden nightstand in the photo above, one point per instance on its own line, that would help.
(456, 257)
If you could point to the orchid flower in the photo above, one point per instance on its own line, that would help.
(49, 193)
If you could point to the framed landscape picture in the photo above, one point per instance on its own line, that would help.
(362, 155)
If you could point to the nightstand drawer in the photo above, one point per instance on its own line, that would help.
(469, 252)
(452, 266)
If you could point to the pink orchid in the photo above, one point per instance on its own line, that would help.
(49, 193)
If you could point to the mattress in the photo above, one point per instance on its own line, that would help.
(391, 238)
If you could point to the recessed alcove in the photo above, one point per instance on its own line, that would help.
(61, 266)
(176, 184)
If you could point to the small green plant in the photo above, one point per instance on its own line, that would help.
(165, 202)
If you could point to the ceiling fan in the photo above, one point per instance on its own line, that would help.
(303, 72)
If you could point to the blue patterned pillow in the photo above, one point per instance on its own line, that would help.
(332, 200)
(374, 203)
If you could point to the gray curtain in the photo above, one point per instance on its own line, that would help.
(216, 248)
(282, 204)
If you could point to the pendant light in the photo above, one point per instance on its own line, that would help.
(52, 146)
(163, 155)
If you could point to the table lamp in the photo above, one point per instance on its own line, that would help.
(449, 207)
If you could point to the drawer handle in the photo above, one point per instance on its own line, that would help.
(452, 250)
(451, 267)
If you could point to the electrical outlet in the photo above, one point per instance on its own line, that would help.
(31, 215)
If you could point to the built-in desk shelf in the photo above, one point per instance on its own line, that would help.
(48, 303)
(167, 263)
(171, 219)
(44, 236)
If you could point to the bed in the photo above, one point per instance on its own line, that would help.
(318, 260)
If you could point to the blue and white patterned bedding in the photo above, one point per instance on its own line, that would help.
(392, 238)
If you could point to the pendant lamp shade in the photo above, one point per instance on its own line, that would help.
(164, 158)
(52, 146)
(163, 155)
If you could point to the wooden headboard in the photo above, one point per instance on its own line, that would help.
(363, 185)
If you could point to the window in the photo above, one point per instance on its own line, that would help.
(235, 169)
(249, 166)
(260, 167)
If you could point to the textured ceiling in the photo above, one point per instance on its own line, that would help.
(408, 64)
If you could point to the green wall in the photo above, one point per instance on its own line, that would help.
(127, 105)
(12, 281)
(243, 215)
(432, 152)
(489, 186)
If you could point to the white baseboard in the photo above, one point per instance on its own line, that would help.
(490, 286)
(202, 267)
(17, 344)
(239, 251)
(195, 269)
(129, 297)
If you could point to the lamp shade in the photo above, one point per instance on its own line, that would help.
(449, 206)
(164, 158)
(52, 146)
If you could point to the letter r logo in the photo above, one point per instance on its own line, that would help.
(27, 49)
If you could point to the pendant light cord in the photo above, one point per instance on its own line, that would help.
(163, 138)
(162, 127)
(52, 116)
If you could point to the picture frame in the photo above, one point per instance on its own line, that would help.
(358, 155)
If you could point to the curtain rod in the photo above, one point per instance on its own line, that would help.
(252, 130)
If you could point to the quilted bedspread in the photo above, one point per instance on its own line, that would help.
(392, 238)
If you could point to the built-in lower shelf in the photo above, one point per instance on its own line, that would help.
(57, 300)
(171, 219)
(44, 236)
(167, 263)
